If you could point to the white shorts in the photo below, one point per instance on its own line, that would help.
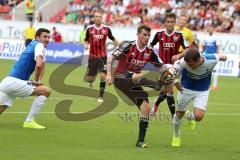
(11, 87)
(199, 98)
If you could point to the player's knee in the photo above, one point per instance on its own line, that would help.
(145, 108)
(2, 109)
(180, 114)
(46, 92)
(198, 117)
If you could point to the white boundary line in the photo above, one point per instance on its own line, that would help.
(76, 98)
(129, 113)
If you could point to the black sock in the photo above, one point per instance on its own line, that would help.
(102, 88)
(171, 104)
(143, 125)
(161, 98)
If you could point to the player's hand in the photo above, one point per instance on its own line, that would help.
(39, 83)
(109, 80)
(175, 58)
(222, 57)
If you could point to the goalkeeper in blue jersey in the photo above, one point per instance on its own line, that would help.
(17, 83)
(196, 70)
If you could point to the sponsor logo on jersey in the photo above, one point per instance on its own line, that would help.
(98, 36)
(168, 45)
(104, 32)
(137, 63)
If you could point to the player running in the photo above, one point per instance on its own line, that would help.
(196, 70)
(96, 36)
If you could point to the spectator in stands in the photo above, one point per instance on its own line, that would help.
(29, 33)
(39, 17)
(56, 36)
(30, 7)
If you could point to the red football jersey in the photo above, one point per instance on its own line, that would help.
(132, 59)
(97, 39)
(169, 44)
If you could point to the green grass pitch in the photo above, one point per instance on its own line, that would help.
(113, 135)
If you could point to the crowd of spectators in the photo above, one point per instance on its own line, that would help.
(223, 14)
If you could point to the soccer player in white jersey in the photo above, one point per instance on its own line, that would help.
(196, 70)
(211, 46)
(17, 83)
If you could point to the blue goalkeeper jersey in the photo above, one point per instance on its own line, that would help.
(25, 65)
(210, 44)
(198, 79)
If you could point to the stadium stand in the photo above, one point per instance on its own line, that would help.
(223, 14)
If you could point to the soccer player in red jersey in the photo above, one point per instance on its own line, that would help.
(132, 57)
(96, 36)
(169, 42)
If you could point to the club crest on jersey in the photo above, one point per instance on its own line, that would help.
(104, 32)
(162, 39)
(175, 39)
(146, 55)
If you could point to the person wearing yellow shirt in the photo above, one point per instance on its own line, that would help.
(29, 9)
(182, 26)
(29, 34)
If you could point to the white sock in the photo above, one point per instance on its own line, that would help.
(36, 106)
(215, 79)
(176, 125)
(190, 116)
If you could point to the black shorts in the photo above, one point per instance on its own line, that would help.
(134, 92)
(96, 65)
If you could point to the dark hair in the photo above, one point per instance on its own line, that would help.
(143, 26)
(170, 15)
(192, 54)
(40, 30)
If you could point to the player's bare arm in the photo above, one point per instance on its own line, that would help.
(109, 69)
(39, 69)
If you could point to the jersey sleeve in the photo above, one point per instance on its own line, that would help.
(180, 65)
(155, 39)
(184, 42)
(39, 51)
(87, 37)
(110, 35)
(155, 60)
(123, 48)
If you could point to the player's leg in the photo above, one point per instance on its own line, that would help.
(2, 108)
(139, 98)
(183, 103)
(170, 99)
(200, 104)
(102, 75)
(143, 124)
(92, 71)
(162, 96)
(215, 79)
(6, 99)
(42, 92)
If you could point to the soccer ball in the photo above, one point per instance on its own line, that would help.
(168, 72)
